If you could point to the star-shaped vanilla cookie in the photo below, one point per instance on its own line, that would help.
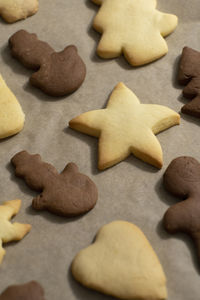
(8, 231)
(133, 27)
(126, 126)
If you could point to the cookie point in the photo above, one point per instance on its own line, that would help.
(16, 204)
(28, 227)
(158, 164)
(120, 85)
(72, 167)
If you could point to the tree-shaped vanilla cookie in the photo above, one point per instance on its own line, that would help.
(28, 291)
(121, 263)
(134, 28)
(68, 194)
(8, 231)
(182, 179)
(11, 116)
(189, 75)
(14, 10)
(126, 126)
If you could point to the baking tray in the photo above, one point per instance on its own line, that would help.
(132, 190)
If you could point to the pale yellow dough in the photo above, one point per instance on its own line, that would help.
(14, 10)
(126, 126)
(11, 114)
(134, 28)
(121, 263)
(8, 231)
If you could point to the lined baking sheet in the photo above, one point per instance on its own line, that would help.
(131, 190)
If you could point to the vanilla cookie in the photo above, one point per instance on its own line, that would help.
(121, 263)
(126, 126)
(14, 10)
(11, 116)
(133, 27)
(8, 231)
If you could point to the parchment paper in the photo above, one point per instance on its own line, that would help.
(131, 190)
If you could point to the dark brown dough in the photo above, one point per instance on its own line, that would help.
(182, 179)
(67, 194)
(29, 291)
(189, 75)
(58, 74)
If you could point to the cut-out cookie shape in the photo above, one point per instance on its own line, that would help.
(57, 73)
(28, 291)
(189, 75)
(126, 126)
(11, 114)
(182, 179)
(121, 263)
(8, 231)
(14, 10)
(134, 28)
(68, 194)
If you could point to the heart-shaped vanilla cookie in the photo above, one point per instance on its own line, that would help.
(11, 114)
(121, 263)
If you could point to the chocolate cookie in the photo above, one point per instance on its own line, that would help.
(189, 75)
(29, 291)
(57, 74)
(67, 194)
(182, 179)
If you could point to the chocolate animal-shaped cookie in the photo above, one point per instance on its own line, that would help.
(182, 179)
(57, 74)
(29, 291)
(67, 194)
(189, 75)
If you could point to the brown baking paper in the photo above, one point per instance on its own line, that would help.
(131, 190)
